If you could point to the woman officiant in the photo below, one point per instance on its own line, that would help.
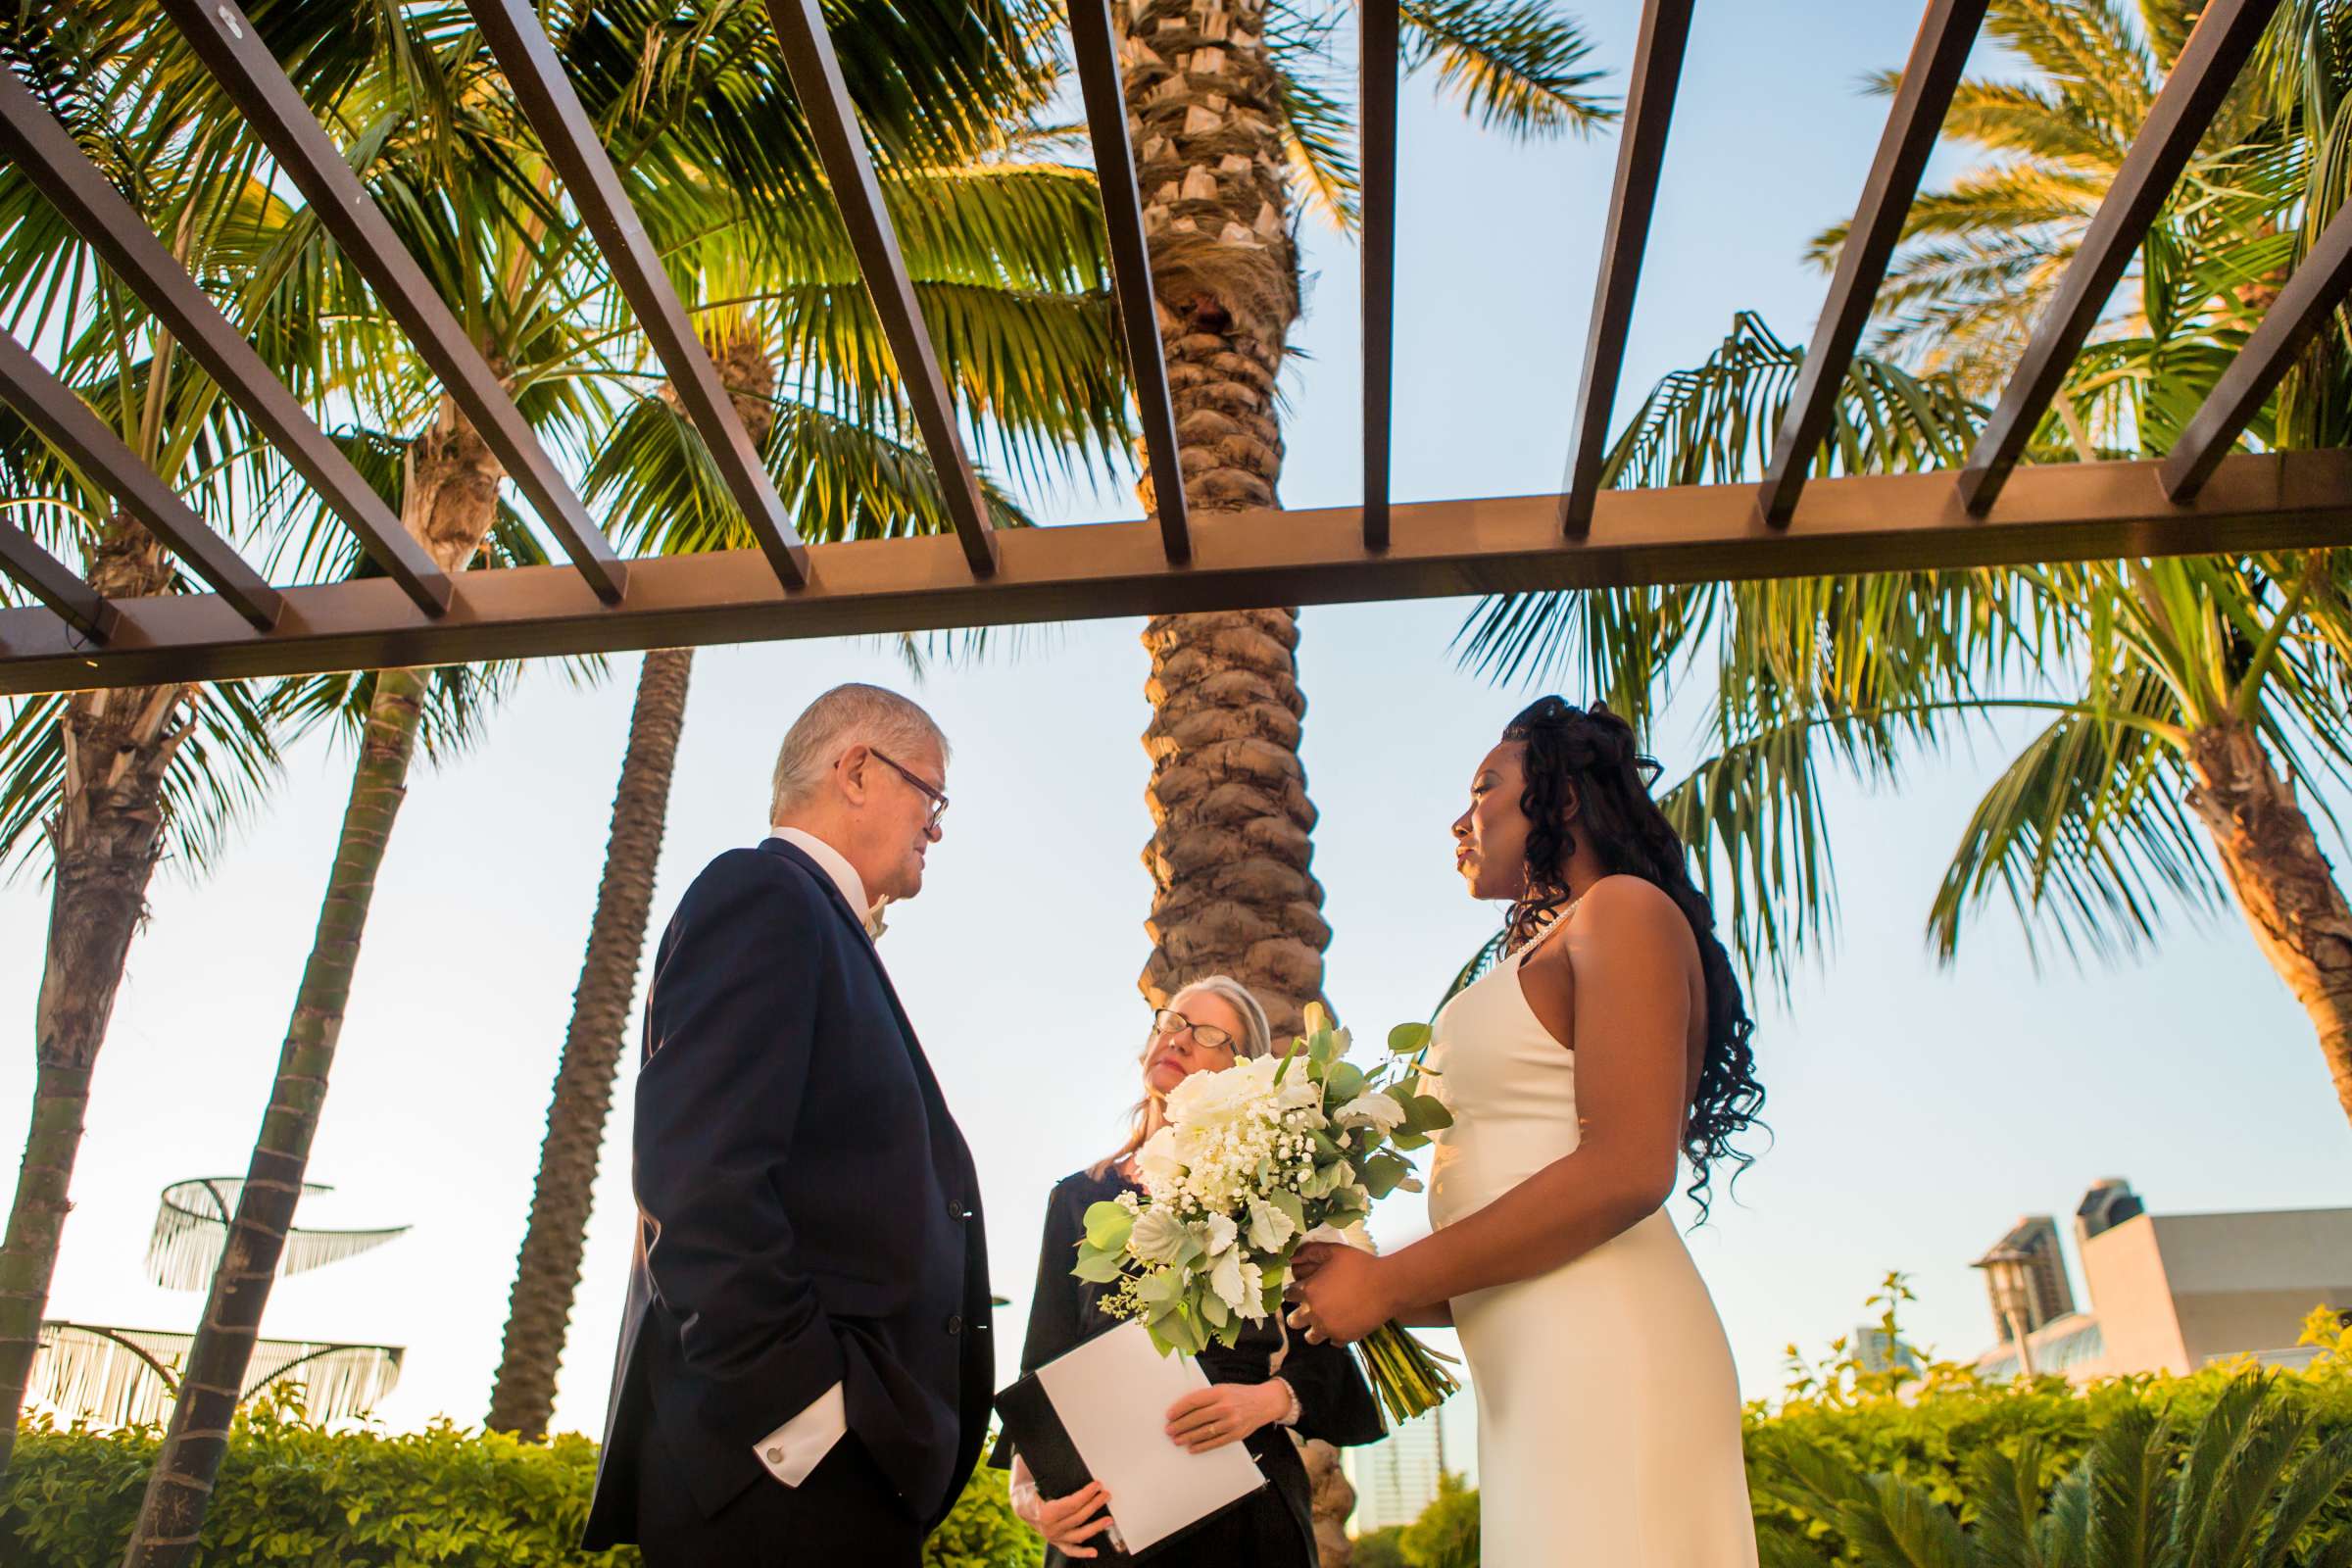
(1270, 1385)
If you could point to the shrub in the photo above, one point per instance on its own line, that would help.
(293, 1493)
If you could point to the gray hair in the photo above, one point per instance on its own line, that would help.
(844, 716)
(1257, 1040)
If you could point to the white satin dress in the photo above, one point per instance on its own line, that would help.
(1608, 1410)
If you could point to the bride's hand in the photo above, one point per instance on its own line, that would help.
(1341, 1292)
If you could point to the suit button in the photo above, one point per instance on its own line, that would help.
(956, 1210)
(776, 1456)
(955, 1323)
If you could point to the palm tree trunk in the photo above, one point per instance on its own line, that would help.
(1230, 891)
(547, 1273)
(2300, 915)
(1228, 854)
(450, 499)
(106, 838)
(180, 1488)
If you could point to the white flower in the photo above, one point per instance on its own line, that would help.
(1158, 1237)
(1207, 1097)
(1353, 1235)
(1157, 1164)
(1375, 1107)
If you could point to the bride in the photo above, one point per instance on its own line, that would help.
(1611, 1037)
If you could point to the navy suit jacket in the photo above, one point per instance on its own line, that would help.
(807, 1211)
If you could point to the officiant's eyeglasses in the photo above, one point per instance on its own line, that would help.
(1168, 1022)
(939, 802)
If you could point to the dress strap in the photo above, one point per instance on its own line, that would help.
(1557, 922)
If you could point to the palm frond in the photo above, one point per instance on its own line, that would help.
(1516, 65)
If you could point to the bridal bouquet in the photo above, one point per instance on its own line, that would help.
(1256, 1161)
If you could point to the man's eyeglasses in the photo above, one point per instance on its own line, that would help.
(939, 802)
(1167, 1022)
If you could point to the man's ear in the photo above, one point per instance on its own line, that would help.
(852, 770)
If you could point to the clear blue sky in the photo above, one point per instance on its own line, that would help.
(1917, 1110)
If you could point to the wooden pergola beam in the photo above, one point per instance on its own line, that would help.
(55, 163)
(824, 96)
(224, 39)
(54, 584)
(1376, 120)
(548, 101)
(1092, 47)
(2303, 307)
(1938, 55)
(1888, 523)
(1633, 200)
(67, 424)
(2202, 75)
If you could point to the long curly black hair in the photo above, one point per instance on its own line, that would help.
(1588, 781)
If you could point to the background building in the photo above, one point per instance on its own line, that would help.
(2048, 1295)
(1396, 1478)
(2173, 1292)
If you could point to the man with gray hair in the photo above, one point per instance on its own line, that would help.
(804, 1361)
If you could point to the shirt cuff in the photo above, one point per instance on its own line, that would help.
(794, 1448)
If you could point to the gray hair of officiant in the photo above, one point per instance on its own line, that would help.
(1257, 1040)
(847, 715)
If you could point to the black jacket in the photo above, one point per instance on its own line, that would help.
(1334, 1403)
(807, 1209)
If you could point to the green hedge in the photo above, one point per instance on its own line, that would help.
(292, 1492)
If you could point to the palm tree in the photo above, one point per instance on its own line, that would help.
(113, 782)
(1982, 257)
(1236, 128)
(2180, 708)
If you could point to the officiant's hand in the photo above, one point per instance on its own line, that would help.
(1067, 1523)
(1226, 1413)
(1339, 1293)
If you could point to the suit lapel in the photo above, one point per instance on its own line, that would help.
(935, 1104)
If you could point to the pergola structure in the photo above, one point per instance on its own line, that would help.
(2202, 497)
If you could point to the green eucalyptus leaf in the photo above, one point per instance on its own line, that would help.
(1109, 1225)
(1343, 1081)
(1097, 1267)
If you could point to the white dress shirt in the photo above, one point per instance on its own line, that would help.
(794, 1448)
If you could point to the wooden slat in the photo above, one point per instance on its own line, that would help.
(564, 129)
(1938, 55)
(1376, 116)
(1095, 54)
(2208, 64)
(1880, 522)
(51, 581)
(74, 186)
(224, 39)
(1641, 155)
(68, 424)
(2297, 315)
(815, 72)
